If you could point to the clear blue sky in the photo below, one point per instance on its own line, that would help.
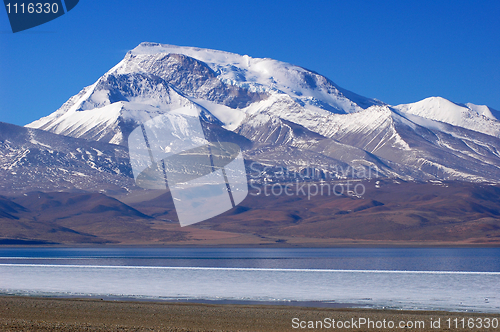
(395, 51)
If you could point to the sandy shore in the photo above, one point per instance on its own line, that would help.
(49, 314)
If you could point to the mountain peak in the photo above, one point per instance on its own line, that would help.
(153, 77)
(291, 115)
(473, 117)
(155, 48)
(484, 111)
(263, 75)
(447, 108)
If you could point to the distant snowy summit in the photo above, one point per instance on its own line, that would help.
(291, 116)
(479, 118)
(229, 85)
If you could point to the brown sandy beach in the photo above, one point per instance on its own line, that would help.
(50, 314)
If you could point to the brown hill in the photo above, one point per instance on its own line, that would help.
(389, 213)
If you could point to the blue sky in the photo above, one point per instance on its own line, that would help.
(395, 51)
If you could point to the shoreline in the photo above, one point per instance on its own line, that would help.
(116, 298)
(277, 245)
(227, 302)
(21, 313)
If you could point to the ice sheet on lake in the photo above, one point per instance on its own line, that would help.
(457, 291)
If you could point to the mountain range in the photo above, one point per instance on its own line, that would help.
(291, 115)
(286, 119)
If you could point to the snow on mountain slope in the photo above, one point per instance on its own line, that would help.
(413, 149)
(109, 109)
(284, 115)
(386, 141)
(483, 110)
(260, 75)
(154, 78)
(474, 117)
(408, 145)
(32, 159)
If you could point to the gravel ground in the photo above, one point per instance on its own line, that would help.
(49, 314)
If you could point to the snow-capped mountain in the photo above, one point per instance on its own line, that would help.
(285, 115)
(32, 159)
(478, 118)
(154, 77)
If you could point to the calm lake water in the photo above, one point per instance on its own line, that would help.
(444, 279)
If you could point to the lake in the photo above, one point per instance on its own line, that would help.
(461, 279)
